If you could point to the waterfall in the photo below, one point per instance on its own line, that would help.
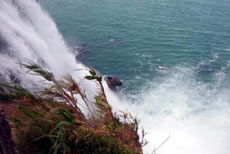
(194, 115)
(28, 33)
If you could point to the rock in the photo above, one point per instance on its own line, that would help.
(208, 68)
(113, 82)
(7, 145)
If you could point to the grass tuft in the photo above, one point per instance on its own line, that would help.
(52, 121)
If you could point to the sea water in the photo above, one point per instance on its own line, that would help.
(173, 57)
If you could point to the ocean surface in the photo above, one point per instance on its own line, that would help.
(173, 57)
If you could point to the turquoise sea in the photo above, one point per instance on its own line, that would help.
(133, 39)
(173, 57)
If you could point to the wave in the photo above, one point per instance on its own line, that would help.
(193, 113)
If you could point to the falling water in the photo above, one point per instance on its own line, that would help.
(195, 114)
(28, 33)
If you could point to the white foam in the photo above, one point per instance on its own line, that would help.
(196, 116)
(31, 34)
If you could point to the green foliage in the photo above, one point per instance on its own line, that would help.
(65, 114)
(31, 66)
(14, 91)
(101, 102)
(50, 127)
(60, 133)
(30, 113)
(95, 75)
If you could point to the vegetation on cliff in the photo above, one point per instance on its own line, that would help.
(52, 121)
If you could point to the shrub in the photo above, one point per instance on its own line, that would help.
(52, 121)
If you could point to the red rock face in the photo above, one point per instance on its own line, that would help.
(7, 145)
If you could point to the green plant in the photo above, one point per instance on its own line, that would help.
(51, 121)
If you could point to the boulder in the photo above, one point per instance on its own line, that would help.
(7, 145)
(113, 82)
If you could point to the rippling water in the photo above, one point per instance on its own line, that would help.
(173, 57)
(131, 39)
